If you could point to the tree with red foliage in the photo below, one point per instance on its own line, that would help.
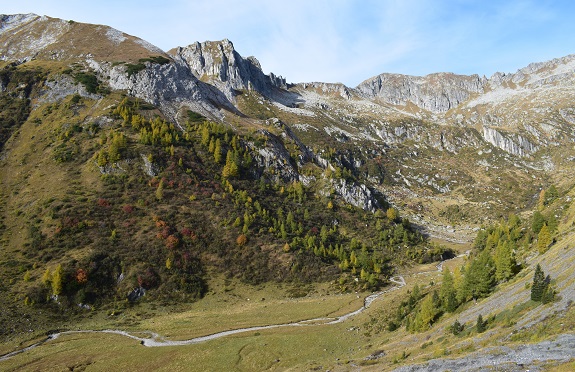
(172, 242)
(127, 209)
(81, 276)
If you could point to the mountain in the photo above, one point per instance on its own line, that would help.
(128, 171)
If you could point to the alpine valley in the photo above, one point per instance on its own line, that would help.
(183, 210)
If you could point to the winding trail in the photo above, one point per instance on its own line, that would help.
(156, 340)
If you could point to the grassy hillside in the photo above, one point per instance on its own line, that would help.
(112, 217)
(102, 195)
(366, 341)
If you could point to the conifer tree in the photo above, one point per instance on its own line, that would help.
(543, 239)
(218, 151)
(539, 284)
(57, 280)
(160, 190)
(552, 222)
(47, 277)
(205, 135)
(456, 328)
(504, 261)
(448, 293)
(480, 325)
(538, 221)
(231, 168)
(426, 315)
(479, 277)
(392, 214)
(212, 145)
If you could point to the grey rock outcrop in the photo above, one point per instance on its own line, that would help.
(436, 93)
(358, 195)
(218, 63)
(272, 160)
(514, 144)
(330, 89)
(170, 86)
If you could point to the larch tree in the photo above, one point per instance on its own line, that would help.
(448, 293)
(543, 239)
(426, 315)
(504, 261)
(57, 280)
(160, 190)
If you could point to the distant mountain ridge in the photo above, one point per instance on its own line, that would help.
(524, 114)
(26, 36)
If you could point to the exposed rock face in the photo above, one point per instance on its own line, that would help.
(273, 160)
(517, 145)
(338, 90)
(436, 92)
(391, 125)
(58, 89)
(219, 64)
(358, 195)
(558, 71)
(170, 86)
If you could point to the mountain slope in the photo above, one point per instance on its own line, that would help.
(105, 199)
(127, 171)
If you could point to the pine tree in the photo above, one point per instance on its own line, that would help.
(456, 328)
(392, 214)
(231, 168)
(480, 326)
(552, 223)
(541, 202)
(205, 136)
(479, 278)
(538, 221)
(47, 277)
(426, 315)
(212, 145)
(543, 239)
(539, 284)
(548, 293)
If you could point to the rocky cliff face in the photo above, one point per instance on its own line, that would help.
(171, 86)
(437, 93)
(219, 64)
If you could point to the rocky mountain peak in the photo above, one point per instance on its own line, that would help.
(218, 63)
(437, 92)
(27, 36)
(11, 21)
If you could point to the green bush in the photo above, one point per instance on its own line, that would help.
(88, 80)
(134, 69)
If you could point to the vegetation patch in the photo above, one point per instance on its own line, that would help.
(88, 80)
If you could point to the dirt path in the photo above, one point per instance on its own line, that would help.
(156, 340)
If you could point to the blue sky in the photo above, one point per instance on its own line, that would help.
(344, 41)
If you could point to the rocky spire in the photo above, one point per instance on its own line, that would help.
(218, 63)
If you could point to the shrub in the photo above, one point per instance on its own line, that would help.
(88, 80)
(456, 328)
(132, 69)
(242, 240)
